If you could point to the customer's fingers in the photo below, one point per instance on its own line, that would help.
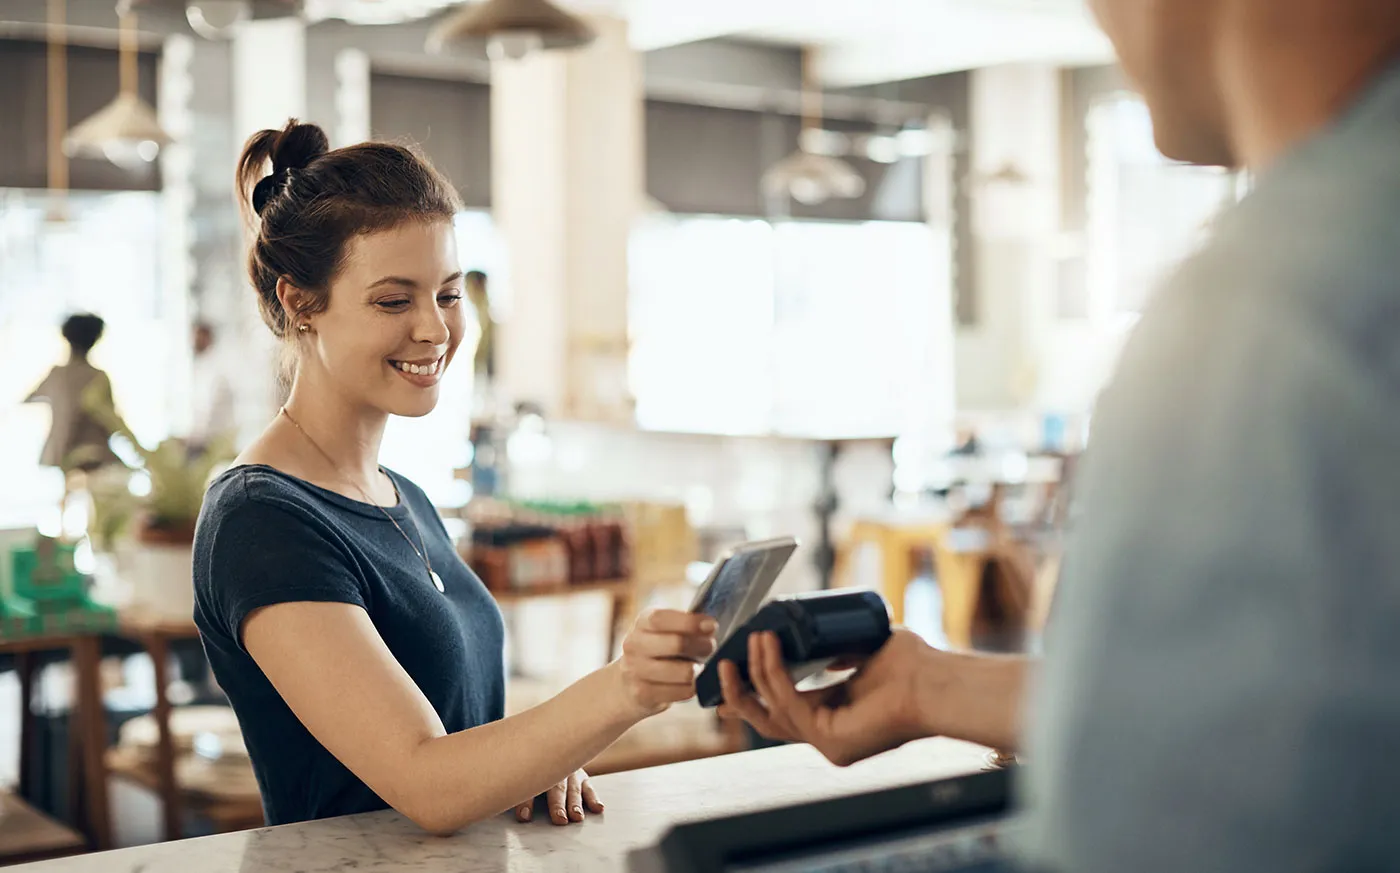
(555, 800)
(673, 621)
(650, 644)
(525, 811)
(659, 672)
(590, 797)
(574, 799)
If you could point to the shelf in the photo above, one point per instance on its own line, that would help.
(225, 813)
(613, 587)
(28, 835)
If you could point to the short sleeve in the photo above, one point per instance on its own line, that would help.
(265, 552)
(44, 391)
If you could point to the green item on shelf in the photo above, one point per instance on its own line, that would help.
(45, 572)
(50, 595)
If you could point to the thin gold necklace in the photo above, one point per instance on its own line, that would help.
(423, 554)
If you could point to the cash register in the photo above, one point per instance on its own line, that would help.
(944, 826)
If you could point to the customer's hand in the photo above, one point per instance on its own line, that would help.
(874, 711)
(566, 801)
(658, 663)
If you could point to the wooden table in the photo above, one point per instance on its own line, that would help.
(28, 835)
(641, 805)
(155, 635)
(87, 727)
(958, 570)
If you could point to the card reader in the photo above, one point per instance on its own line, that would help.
(814, 630)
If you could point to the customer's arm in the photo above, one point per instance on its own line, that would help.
(330, 665)
(907, 691)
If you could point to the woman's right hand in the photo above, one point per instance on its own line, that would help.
(659, 659)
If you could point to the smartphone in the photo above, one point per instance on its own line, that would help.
(740, 580)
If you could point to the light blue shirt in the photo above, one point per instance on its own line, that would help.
(1222, 685)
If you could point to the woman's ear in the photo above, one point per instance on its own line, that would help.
(293, 300)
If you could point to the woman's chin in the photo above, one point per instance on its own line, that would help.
(413, 407)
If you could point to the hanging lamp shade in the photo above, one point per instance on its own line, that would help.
(510, 29)
(806, 175)
(216, 19)
(124, 131)
(811, 179)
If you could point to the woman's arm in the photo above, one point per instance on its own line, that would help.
(330, 665)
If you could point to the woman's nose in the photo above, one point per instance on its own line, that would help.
(431, 326)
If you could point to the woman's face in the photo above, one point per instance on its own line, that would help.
(393, 322)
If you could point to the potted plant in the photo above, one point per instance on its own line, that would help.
(159, 564)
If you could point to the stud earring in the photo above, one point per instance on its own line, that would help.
(304, 328)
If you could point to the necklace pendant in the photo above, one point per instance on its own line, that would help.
(437, 581)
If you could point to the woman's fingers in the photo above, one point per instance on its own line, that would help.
(590, 797)
(665, 672)
(525, 811)
(574, 799)
(651, 644)
(555, 801)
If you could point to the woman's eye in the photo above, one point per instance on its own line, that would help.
(449, 299)
(392, 304)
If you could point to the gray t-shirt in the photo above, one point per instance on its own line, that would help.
(1222, 687)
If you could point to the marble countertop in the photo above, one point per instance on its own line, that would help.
(641, 805)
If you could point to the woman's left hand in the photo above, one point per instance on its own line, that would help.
(566, 801)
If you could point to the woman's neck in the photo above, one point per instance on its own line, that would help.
(339, 437)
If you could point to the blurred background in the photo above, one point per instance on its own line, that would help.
(853, 272)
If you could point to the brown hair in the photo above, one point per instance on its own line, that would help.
(316, 199)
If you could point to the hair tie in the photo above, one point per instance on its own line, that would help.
(269, 187)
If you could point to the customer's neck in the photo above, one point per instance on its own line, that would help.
(1291, 67)
(338, 437)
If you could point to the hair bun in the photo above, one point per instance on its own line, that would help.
(297, 145)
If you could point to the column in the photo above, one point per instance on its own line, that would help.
(567, 152)
(1015, 195)
(269, 86)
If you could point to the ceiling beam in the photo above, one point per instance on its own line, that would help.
(655, 24)
(965, 41)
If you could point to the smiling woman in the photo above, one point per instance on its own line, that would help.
(364, 659)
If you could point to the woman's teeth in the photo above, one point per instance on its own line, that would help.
(420, 369)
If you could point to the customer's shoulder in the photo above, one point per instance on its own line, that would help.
(409, 490)
(249, 492)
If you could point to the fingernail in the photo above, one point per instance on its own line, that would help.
(528, 815)
(578, 810)
(709, 626)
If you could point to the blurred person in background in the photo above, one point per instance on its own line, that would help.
(1219, 689)
(484, 359)
(364, 659)
(84, 416)
(213, 403)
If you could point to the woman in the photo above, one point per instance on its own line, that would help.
(363, 658)
(84, 416)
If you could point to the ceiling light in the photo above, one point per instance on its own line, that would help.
(811, 179)
(124, 131)
(807, 175)
(510, 29)
(217, 19)
(882, 149)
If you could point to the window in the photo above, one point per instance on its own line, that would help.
(1145, 212)
(807, 328)
(104, 258)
